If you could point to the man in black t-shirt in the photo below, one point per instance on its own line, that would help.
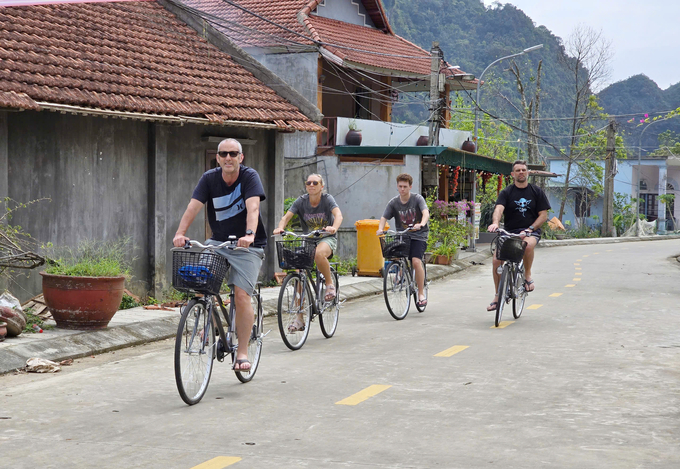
(233, 193)
(525, 207)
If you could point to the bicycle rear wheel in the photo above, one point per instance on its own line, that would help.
(397, 290)
(519, 299)
(425, 290)
(328, 319)
(194, 351)
(254, 341)
(503, 293)
(294, 311)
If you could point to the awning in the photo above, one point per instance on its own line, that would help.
(444, 155)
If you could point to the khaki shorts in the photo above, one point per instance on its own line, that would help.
(245, 266)
(332, 241)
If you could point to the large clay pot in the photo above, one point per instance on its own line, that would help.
(469, 145)
(422, 141)
(353, 137)
(82, 302)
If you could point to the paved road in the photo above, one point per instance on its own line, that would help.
(589, 376)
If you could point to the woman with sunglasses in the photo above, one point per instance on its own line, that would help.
(317, 211)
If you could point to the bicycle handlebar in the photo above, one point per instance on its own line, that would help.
(229, 244)
(312, 234)
(408, 228)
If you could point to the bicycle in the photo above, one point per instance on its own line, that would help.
(302, 299)
(200, 273)
(399, 275)
(510, 249)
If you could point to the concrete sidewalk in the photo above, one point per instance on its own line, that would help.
(137, 326)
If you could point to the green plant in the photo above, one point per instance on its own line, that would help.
(353, 125)
(344, 266)
(295, 221)
(32, 319)
(90, 258)
(128, 302)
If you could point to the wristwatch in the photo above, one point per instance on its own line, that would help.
(249, 232)
(531, 227)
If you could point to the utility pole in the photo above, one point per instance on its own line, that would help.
(609, 173)
(436, 88)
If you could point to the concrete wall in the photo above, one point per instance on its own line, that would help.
(349, 11)
(109, 178)
(297, 70)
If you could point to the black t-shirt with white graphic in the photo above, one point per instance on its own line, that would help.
(522, 205)
(407, 214)
(227, 212)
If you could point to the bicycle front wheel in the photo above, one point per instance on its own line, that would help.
(425, 290)
(194, 351)
(328, 319)
(397, 290)
(254, 341)
(503, 293)
(519, 299)
(294, 311)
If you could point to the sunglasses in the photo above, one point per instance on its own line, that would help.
(232, 154)
(312, 183)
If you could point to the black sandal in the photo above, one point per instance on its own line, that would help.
(492, 306)
(240, 362)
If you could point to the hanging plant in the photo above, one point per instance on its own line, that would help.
(456, 173)
(500, 184)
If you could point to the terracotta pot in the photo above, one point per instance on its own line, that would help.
(3, 331)
(442, 260)
(422, 141)
(353, 137)
(82, 302)
(468, 145)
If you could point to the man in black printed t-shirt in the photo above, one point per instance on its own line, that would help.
(233, 193)
(525, 207)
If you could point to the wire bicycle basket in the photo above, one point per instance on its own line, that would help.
(296, 253)
(510, 248)
(394, 246)
(201, 271)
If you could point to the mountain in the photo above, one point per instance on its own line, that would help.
(640, 94)
(473, 36)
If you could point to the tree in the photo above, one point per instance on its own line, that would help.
(587, 57)
(529, 109)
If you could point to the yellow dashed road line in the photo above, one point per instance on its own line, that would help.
(575, 279)
(570, 285)
(576, 263)
(534, 306)
(361, 396)
(578, 268)
(578, 273)
(555, 295)
(503, 324)
(218, 463)
(579, 260)
(449, 352)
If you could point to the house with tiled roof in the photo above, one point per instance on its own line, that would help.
(113, 110)
(344, 57)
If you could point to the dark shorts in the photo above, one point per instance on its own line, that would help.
(536, 233)
(418, 248)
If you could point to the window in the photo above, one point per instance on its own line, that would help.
(362, 103)
(581, 204)
(649, 207)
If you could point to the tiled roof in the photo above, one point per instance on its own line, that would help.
(130, 57)
(369, 46)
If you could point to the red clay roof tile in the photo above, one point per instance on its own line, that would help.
(132, 57)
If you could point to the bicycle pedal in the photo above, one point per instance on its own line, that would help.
(220, 351)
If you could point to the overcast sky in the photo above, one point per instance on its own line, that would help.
(645, 34)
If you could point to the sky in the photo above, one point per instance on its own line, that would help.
(645, 34)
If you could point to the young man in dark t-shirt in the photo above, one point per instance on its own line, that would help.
(410, 209)
(525, 207)
(233, 193)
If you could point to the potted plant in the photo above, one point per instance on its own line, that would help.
(445, 253)
(353, 137)
(83, 286)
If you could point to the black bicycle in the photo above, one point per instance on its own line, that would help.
(399, 275)
(302, 294)
(201, 272)
(510, 249)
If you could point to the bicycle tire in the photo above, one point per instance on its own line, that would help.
(328, 319)
(425, 290)
(194, 357)
(519, 299)
(503, 298)
(254, 342)
(288, 310)
(397, 290)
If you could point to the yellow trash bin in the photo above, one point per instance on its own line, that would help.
(369, 254)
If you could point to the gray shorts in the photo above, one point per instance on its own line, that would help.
(332, 241)
(245, 265)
